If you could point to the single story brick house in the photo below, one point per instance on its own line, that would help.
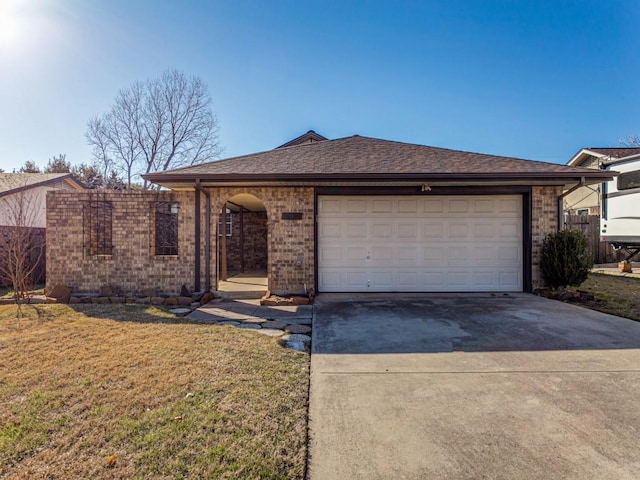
(353, 214)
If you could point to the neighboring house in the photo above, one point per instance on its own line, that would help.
(586, 200)
(354, 214)
(23, 204)
(29, 190)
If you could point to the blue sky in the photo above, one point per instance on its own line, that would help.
(530, 79)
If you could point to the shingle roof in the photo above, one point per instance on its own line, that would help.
(362, 157)
(617, 152)
(19, 181)
(308, 137)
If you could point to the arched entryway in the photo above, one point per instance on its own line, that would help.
(242, 250)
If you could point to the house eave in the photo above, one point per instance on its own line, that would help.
(69, 179)
(582, 155)
(182, 182)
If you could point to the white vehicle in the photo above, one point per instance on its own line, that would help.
(620, 215)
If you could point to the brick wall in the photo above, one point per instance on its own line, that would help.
(544, 220)
(290, 243)
(132, 266)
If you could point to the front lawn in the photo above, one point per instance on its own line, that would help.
(615, 295)
(123, 391)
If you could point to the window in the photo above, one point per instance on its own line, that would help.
(228, 222)
(96, 231)
(165, 220)
(629, 180)
(582, 211)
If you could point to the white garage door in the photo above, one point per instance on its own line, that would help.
(419, 243)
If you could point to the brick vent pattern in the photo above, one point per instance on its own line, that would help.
(133, 266)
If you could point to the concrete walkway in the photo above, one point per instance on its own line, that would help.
(470, 387)
(612, 269)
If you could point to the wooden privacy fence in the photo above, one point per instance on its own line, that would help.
(602, 252)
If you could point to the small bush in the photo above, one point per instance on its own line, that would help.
(565, 259)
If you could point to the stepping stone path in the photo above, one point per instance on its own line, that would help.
(297, 341)
(271, 332)
(297, 329)
(250, 326)
(292, 326)
(291, 334)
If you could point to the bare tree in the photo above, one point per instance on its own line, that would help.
(21, 241)
(631, 141)
(156, 125)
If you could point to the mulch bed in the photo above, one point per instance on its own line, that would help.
(578, 297)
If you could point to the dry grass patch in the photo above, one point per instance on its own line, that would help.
(615, 295)
(132, 392)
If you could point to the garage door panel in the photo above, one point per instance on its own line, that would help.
(356, 206)
(330, 230)
(434, 280)
(382, 230)
(382, 206)
(484, 230)
(408, 279)
(432, 230)
(509, 254)
(434, 255)
(407, 254)
(381, 280)
(328, 206)
(509, 280)
(382, 254)
(407, 206)
(355, 280)
(356, 230)
(432, 206)
(330, 255)
(458, 205)
(484, 279)
(510, 205)
(457, 254)
(484, 206)
(437, 243)
(458, 230)
(510, 230)
(328, 276)
(407, 231)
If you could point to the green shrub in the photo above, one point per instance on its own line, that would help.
(565, 259)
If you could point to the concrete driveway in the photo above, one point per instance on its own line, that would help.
(472, 387)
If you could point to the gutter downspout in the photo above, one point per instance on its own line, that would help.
(207, 237)
(561, 198)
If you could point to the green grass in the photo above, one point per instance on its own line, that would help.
(117, 391)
